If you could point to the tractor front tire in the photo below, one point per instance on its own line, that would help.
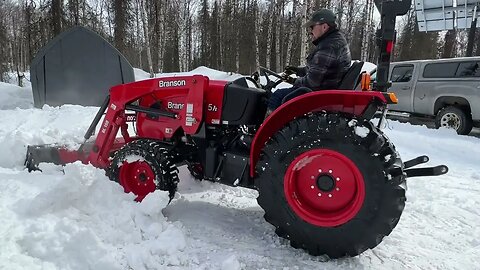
(142, 166)
(331, 184)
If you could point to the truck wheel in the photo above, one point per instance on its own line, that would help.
(141, 167)
(331, 185)
(453, 117)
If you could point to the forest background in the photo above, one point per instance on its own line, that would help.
(228, 35)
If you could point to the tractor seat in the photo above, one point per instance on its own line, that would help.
(352, 77)
(349, 81)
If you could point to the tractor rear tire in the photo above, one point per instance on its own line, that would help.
(142, 166)
(331, 185)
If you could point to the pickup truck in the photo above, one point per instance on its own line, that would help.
(444, 90)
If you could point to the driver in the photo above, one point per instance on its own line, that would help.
(326, 64)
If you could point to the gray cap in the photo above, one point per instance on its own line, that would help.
(321, 16)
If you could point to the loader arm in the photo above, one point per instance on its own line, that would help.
(122, 98)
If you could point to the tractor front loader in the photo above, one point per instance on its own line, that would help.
(328, 179)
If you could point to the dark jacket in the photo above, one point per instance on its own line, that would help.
(327, 63)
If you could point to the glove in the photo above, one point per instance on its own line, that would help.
(291, 70)
(289, 79)
(299, 71)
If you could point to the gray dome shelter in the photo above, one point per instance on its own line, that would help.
(77, 67)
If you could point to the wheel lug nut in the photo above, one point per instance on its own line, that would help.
(330, 171)
(338, 178)
(312, 187)
(319, 194)
(338, 189)
(319, 170)
(329, 195)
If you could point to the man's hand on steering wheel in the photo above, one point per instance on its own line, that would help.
(291, 70)
(287, 78)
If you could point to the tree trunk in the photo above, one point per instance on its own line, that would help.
(291, 31)
(303, 42)
(257, 30)
(449, 45)
(73, 9)
(350, 19)
(340, 15)
(147, 38)
(278, 35)
(120, 23)
(139, 40)
(269, 30)
(56, 16)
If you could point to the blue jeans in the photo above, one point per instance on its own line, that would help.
(276, 98)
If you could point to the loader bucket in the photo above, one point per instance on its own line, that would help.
(61, 154)
(56, 154)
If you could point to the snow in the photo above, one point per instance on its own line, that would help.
(367, 66)
(73, 217)
(211, 73)
(359, 131)
(362, 131)
(131, 159)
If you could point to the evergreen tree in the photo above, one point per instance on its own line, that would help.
(414, 44)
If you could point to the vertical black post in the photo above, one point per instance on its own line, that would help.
(471, 33)
(385, 37)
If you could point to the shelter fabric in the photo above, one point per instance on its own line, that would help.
(77, 67)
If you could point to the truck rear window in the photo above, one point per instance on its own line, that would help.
(440, 70)
(468, 69)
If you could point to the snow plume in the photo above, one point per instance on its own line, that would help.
(85, 221)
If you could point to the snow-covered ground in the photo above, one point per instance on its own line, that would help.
(76, 218)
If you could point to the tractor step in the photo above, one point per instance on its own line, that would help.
(427, 171)
(416, 161)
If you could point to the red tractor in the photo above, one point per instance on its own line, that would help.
(328, 179)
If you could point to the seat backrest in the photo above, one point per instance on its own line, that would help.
(350, 79)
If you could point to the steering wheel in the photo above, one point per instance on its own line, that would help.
(265, 72)
(254, 80)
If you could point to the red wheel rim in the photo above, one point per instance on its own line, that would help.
(137, 177)
(324, 187)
